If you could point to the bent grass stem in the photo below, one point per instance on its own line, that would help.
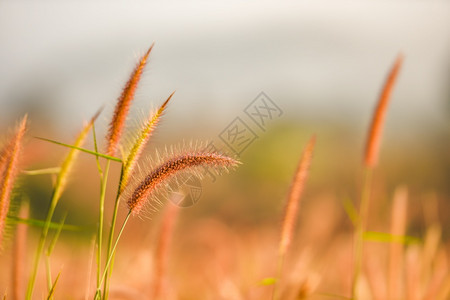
(111, 235)
(110, 257)
(103, 181)
(360, 229)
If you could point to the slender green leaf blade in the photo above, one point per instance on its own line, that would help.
(81, 149)
(52, 291)
(55, 170)
(383, 237)
(351, 211)
(39, 223)
(55, 238)
(268, 281)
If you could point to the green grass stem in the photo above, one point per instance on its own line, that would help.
(360, 229)
(110, 257)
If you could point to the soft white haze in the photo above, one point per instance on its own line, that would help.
(315, 59)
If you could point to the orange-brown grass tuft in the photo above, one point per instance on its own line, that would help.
(172, 167)
(376, 128)
(295, 193)
(123, 105)
(9, 169)
(140, 142)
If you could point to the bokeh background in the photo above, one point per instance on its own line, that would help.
(321, 62)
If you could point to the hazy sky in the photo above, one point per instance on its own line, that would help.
(313, 58)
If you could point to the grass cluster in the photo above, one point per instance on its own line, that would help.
(137, 193)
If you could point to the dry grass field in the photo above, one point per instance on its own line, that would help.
(309, 211)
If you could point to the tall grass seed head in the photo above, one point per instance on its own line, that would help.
(139, 140)
(160, 176)
(9, 169)
(379, 115)
(123, 105)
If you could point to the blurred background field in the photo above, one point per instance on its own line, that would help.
(322, 63)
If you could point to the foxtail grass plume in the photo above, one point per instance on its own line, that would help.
(3, 158)
(140, 142)
(66, 167)
(60, 185)
(9, 170)
(172, 167)
(123, 105)
(295, 193)
(376, 128)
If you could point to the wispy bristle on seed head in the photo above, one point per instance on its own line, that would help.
(293, 201)
(8, 171)
(172, 167)
(140, 142)
(123, 105)
(376, 128)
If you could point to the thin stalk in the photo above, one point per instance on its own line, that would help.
(361, 228)
(49, 253)
(89, 268)
(103, 181)
(49, 273)
(41, 245)
(94, 135)
(111, 235)
(279, 274)
(110, 257)
(61, 182)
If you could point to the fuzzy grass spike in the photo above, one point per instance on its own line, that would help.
(172, 167)
(295, 193)
(9, 170)
(140, 142)
(123, 105)
(292, 204)
(376, 128)
(61, 182)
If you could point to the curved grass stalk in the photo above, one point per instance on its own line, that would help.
(110, 258)
(370, 161)
(103, 182)
(293, 201)
(111, 237)
(48, 253)
(115, 132)
(156, 178)
(360, 229)
(60, 185)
